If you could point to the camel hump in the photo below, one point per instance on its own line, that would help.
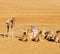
(8, 21)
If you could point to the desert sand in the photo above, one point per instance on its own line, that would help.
(29, 12)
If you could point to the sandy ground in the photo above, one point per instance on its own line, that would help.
(29, 12)
(14, 46)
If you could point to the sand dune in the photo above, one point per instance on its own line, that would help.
(14, 46)
(29, 7)
(29, 12)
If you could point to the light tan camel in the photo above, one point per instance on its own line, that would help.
(57, 36)
(10, 25)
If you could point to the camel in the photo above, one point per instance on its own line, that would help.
(32, 33)
(23, 35)
(57, 36)
(10, 25)
(48, 35)
(35, 35)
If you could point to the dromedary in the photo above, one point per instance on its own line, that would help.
(10, 25)
(49, 35)
(57, 36)
(35, 34)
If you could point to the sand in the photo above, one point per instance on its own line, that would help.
(29, 12)
(14, 46)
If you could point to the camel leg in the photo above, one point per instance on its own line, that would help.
(7, 30)
(12, 32)
(24, 38)
(56, 39)
(37, 39)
